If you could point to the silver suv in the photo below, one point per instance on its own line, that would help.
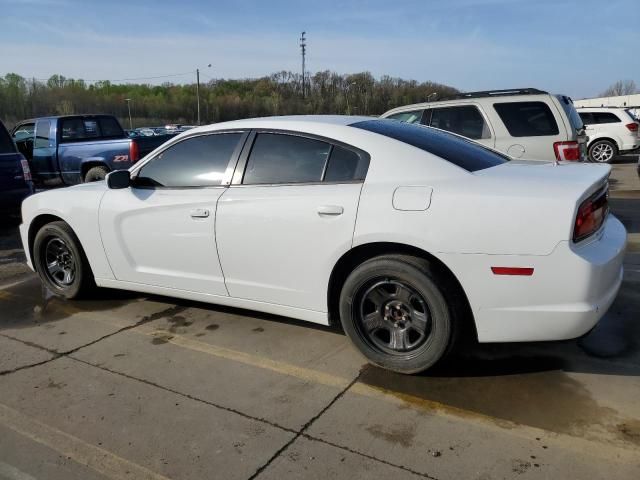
(527, 123)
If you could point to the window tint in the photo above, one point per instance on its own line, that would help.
(527, 119)
(42, 134)
(464, 153)
(587, 118)
(195, 162)
(28, 130)
(466, 121)
(277, 158)
(605, 117)
(72, 129)
(6, 143)
(409, 117)
(344, 166)
(109, 127)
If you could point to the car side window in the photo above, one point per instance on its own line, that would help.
(345, 166)
(587, 118)
(605, 117)
(464, 120)
(26, 130)
(199, 161)
(527, 119)
(407, 117)
(282, 158)
(42, 134)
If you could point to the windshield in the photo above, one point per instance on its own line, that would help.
(461, 152)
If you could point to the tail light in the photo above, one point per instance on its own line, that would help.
(134, 152)
(568, 151)
(591, 215)
(26, 171)
(633, 126)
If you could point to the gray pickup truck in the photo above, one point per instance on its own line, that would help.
(73, 149)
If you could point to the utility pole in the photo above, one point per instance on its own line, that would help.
(128, 100)
(198, 91)
(303, 48)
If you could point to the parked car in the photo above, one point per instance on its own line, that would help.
(526, 124)
(15, 177)
(611, 131)
(78, 148)
(406, 234)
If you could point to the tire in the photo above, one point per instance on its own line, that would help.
(95, 174)
(394, 310)
(71, 276)
(602, 151)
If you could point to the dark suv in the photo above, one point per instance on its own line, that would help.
(15, 176)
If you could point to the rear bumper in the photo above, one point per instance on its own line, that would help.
(570, 290)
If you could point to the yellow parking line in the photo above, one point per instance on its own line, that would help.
(96, 458)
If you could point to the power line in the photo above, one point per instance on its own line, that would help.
(126, 79)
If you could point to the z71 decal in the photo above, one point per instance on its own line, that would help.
(121, 158)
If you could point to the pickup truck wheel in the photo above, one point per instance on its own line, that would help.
(61, 262)
(602, 151)
(394, 311)
(95, 173)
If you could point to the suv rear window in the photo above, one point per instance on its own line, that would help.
(464, 153)
(527, 119)
(6, 144)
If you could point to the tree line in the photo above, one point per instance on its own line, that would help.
(281, 93)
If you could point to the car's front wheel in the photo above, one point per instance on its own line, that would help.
(61, 262)
(395, 312)
(602, 151)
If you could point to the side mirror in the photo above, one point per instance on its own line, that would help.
(119, 179)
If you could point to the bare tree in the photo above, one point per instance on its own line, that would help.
(621, 87)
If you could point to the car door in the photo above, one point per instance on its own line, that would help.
(287, 218)
(43, 162)
(160, 231)
(465, 120)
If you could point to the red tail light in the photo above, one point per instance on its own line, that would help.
(633, 126)
(569, 151)
(134, 152)
(523, 271)
(26, 171)
(591, 215)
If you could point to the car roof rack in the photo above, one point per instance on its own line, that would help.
(496, 93)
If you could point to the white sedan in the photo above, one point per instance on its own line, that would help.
(404, 234)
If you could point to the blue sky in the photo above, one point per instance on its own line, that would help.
(574, 47)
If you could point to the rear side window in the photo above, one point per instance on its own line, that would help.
(605, 117)
(42, 134)
(461, 152)
(280, 158)
(345, 166)
(466, 121)
(194, 162)
(527, 119)
(408, 117)
(6, 143)
(109, 127)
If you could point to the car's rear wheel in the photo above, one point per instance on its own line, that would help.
(61, 262)
(602, 151)
(95, 174)
(393, 309)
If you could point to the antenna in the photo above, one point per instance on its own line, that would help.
(303, 49)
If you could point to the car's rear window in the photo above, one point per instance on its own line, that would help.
(6, 144)
(527, 119)
(86, 128)
(461, 152)
(570, 110)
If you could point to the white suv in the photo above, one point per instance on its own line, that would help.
(611, 131)
(527, 124)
